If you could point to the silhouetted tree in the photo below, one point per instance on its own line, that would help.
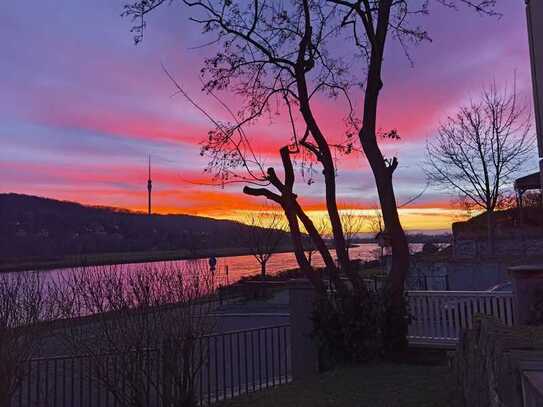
(478, 151)
(377, 228)
(24, 309)
(265, 236)
(287, 51)
(322, 227)
(353, 223)
(271, 53)
(370, 23)
(295, 214)
(123, 319)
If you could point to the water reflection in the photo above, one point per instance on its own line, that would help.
(241, 266)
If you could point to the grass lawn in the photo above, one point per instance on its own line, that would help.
(372, 385)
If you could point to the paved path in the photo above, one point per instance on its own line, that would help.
(254, 313)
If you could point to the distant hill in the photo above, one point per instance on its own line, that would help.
(32, 226)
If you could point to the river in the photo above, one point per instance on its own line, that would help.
(242, 266)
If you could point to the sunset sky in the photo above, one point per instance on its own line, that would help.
(81, 107)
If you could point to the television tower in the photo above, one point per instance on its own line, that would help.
(149, 187)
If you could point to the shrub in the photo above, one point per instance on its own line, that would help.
(353, 327)
(347, 328)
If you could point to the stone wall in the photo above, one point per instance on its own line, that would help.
(489, 360)
(471, 249)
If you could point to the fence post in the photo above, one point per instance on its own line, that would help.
(303, 347)
(527, 287)
(167, 361)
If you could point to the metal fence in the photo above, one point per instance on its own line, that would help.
(413, 282)
(217, 367)
(244, 361)
(422, 282)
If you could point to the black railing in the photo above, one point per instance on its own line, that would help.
(215, 367)
(424, 282)
(244, 361)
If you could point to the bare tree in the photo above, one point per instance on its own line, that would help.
(322, 226)
(478, 151)
(139, 328)
(376, 227)
(279, 53)
(295, 214)
(370, 23)
(271, 54)
(353, 224)
(24, 310)
(265, 236)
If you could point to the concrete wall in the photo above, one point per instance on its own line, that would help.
(459, 276)
(476, 275)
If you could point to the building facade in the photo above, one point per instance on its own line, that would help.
(534, 14)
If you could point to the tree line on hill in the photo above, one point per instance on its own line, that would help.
(47, 228)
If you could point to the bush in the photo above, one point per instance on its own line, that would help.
(347, 328)
(395, 325)
(356, 327)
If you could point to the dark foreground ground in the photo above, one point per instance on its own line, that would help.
(383, 384)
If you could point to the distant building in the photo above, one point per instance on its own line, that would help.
(534, 15)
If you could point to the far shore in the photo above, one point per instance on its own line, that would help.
(104, 259)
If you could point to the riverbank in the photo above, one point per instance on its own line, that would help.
(102, 259)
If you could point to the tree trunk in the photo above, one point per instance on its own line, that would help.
(490, 228)
(310, 256)
(292, 210)
(325, 157)
(296, 237)
(316, 238)
(263, 268)
(395, 327)
(320, 245)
